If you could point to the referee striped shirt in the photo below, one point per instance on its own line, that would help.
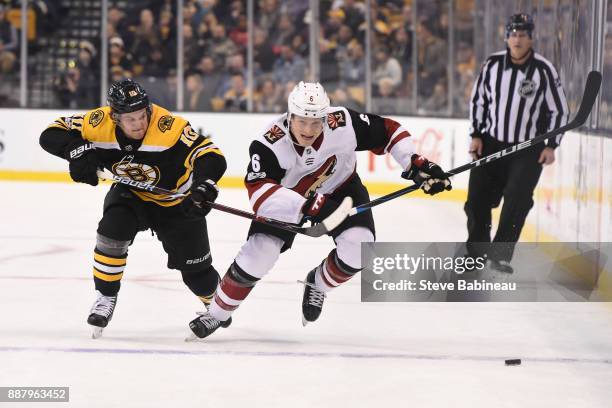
(513, 103)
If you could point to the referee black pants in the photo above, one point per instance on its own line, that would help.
(514, 178)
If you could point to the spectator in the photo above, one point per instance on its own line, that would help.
(354, 14)
(195, 99)
(167, 32)
(118, 22)
(192, 49)
(8, 80)
(262, 49)
(146, 38)
(437, 103)
(284, 32)
(235, 66)
(345, 36)
(8, 34)
(299, 45)
(289, 67)
(401, 47)
(268, 99)
(269, 15)
(387, 67)
(72, 92)
(220, 47)
(119, 58)
(432, 58)
(329, 71)
(353, 69)
(385, 101)
(235, 100)
(211, 77)
(88, 66)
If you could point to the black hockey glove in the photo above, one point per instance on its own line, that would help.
(318, 207)
(84, 162)
(201, 192)
(434, 180)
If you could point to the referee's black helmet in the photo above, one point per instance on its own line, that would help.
(520, 22)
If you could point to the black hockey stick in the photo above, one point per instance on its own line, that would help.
(317, 230)
(591, 89)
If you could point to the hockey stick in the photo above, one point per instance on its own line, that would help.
(591, 89)
(317, 230)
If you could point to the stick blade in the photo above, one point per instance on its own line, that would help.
(591, 90)
(333, 220)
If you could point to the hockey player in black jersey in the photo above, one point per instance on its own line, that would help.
(144, 142)
(302, 166)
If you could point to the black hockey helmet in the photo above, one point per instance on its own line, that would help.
(520, 22)
(127, 96)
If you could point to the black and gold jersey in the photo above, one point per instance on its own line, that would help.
(166, 157)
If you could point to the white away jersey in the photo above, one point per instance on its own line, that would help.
(282, 174)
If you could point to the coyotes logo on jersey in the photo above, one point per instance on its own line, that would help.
(310, 183)
(274, 134)
(336, 119)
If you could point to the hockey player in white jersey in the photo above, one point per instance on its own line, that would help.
(302, 166)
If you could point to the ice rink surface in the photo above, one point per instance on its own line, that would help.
(356, 355)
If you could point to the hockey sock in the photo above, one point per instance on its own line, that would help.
(233, 289)
(332, 272)
(108, 271)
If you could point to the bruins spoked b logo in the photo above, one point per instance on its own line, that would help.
(138, 172)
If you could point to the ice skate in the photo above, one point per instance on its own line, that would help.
(205, 325)
(501, 271)
(312, 302)
(101, 313)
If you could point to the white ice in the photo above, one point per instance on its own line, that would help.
(356, 355)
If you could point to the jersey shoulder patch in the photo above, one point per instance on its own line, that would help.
(336, 119)
(165, 123)
(96, 117)
(96, 125)
(274, 134)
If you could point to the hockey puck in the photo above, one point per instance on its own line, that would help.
(513, 362)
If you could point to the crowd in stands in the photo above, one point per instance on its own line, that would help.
(142, 43)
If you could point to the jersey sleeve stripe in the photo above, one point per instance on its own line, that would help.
(263, 197)
(395, 139)
(254, 187)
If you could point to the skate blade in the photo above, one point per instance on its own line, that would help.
(192, 338)
(304, 321)
(97, 332)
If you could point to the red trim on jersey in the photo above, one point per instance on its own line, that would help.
(397, 138)
(224, 305)
(253, 186)
(390, 127)
(264, 196)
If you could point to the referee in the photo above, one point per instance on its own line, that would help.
(517, 96)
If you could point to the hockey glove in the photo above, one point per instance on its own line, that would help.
(201, 193)
(84, 162)
(318, 207)
(432, 178)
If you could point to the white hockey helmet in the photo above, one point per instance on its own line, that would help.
(308, 100)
